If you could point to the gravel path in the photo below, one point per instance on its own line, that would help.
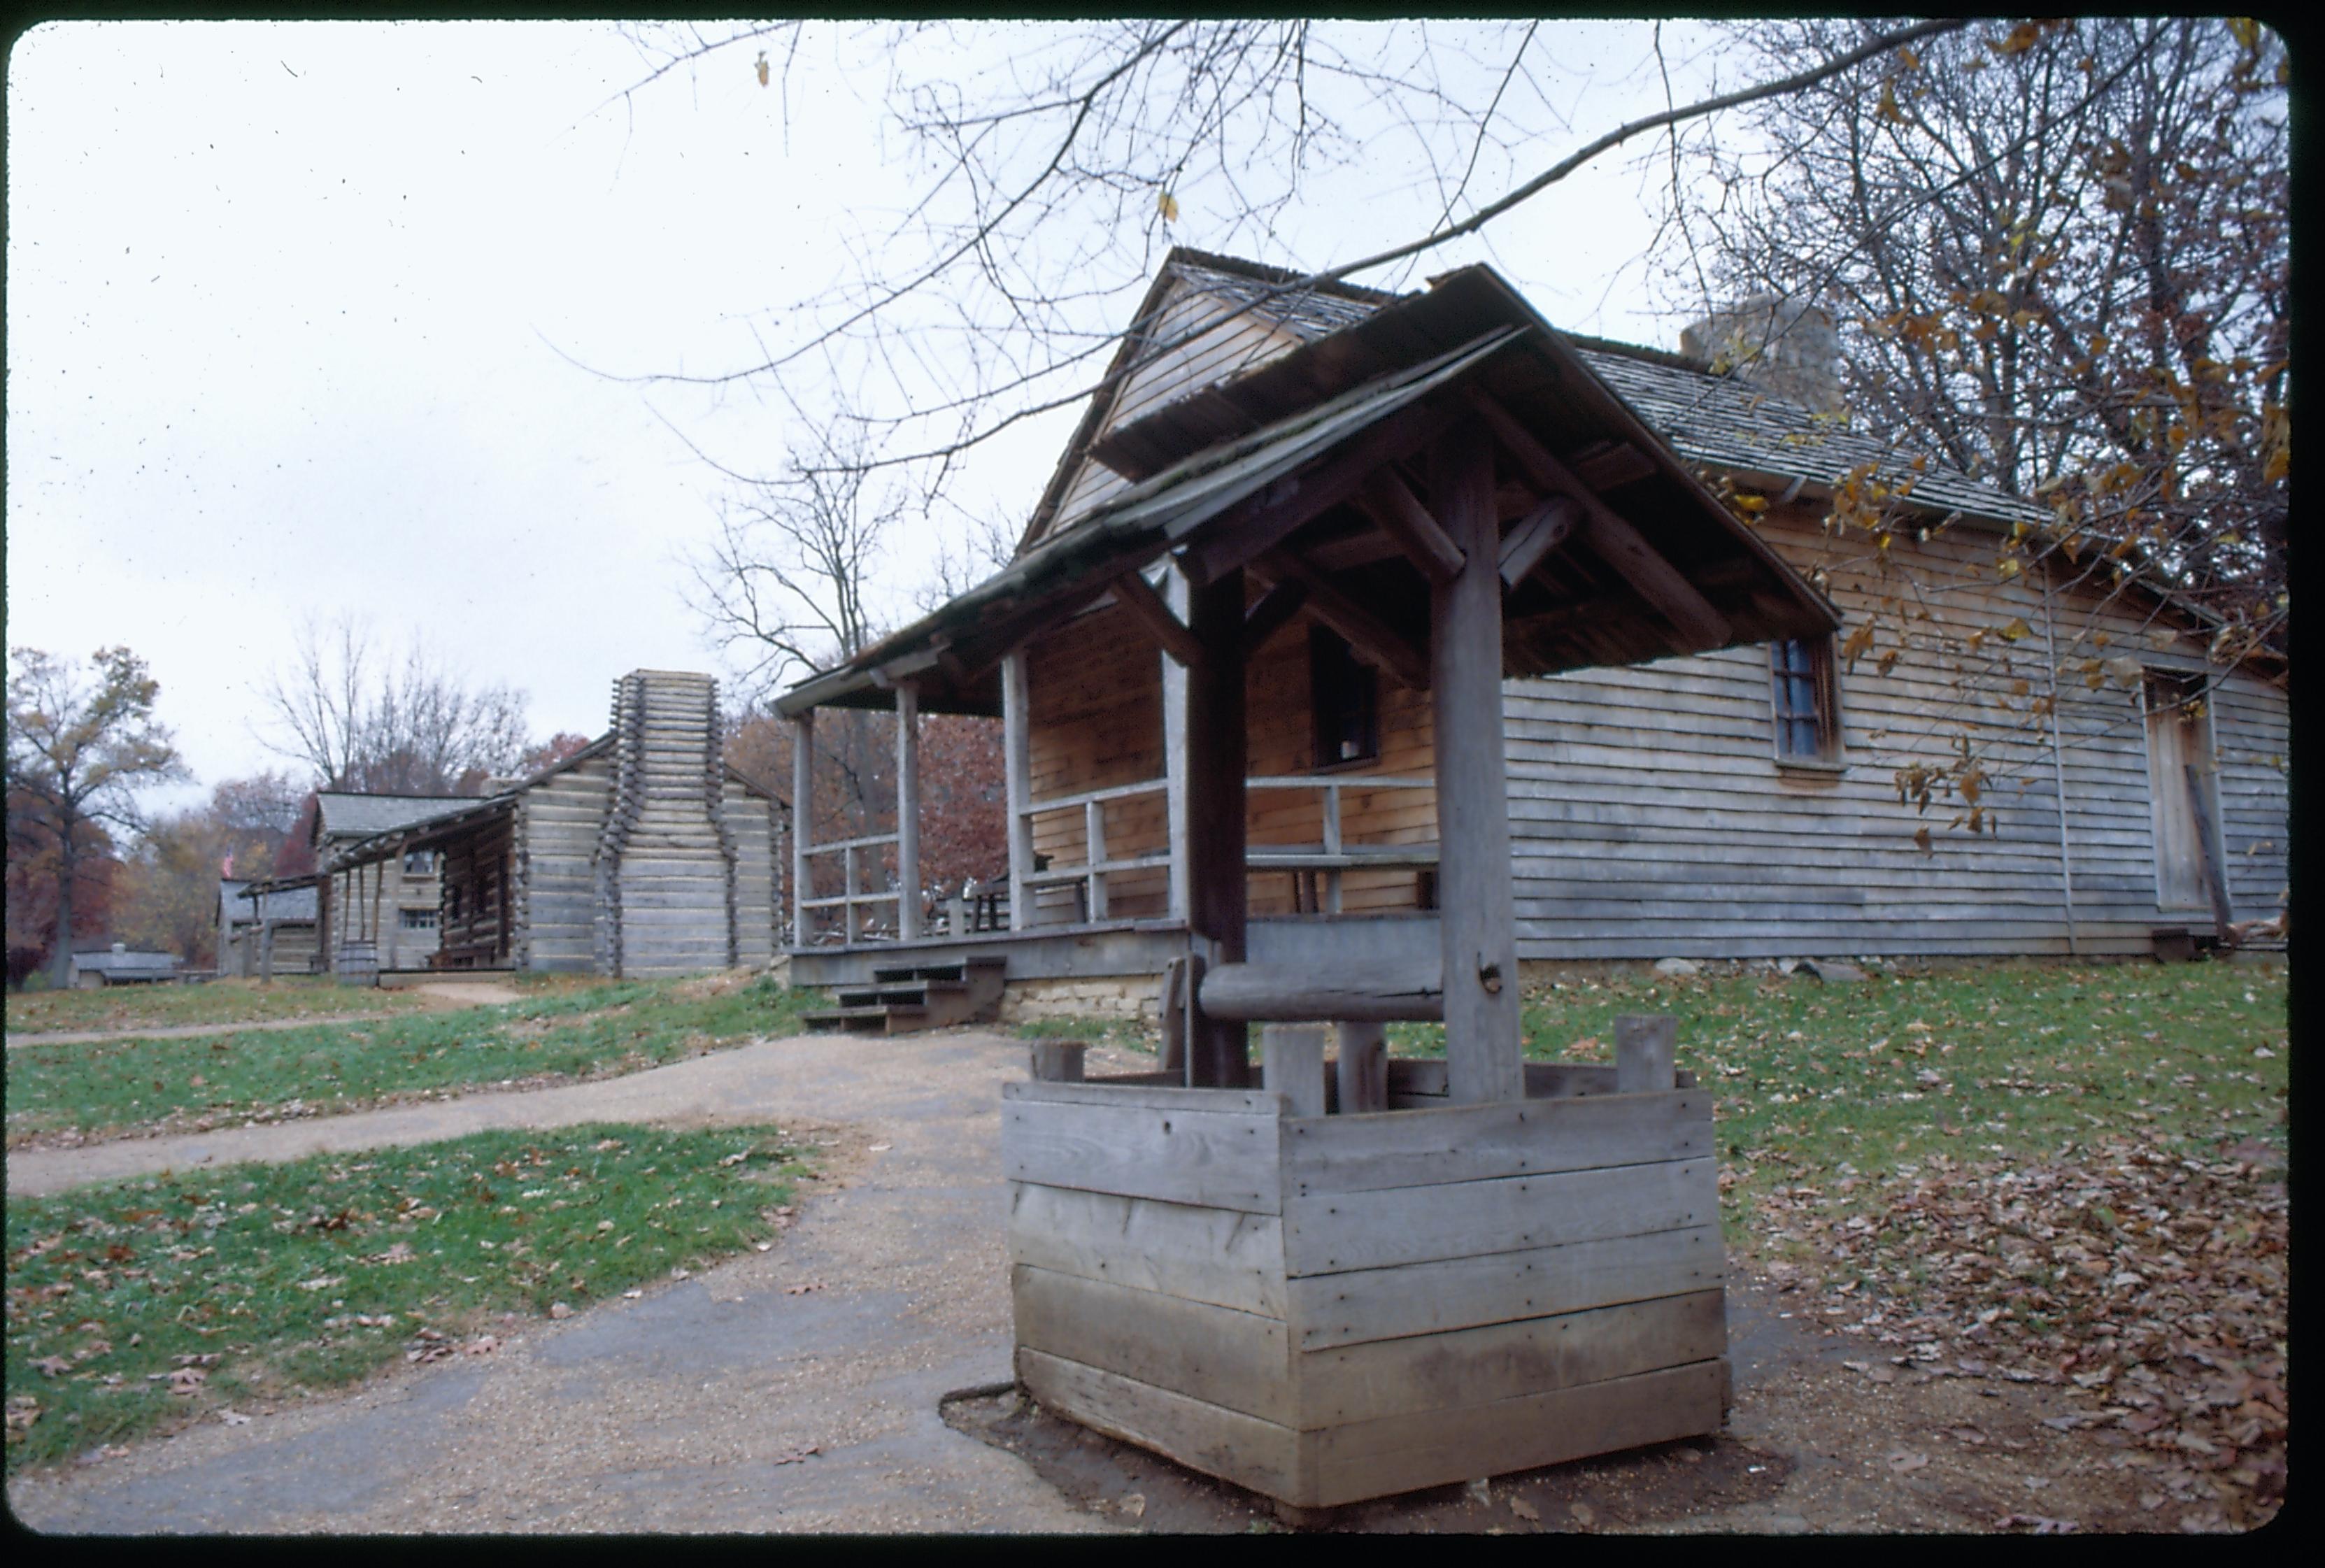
(721, 1403)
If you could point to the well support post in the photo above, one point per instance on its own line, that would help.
(1217, 1049)
(1476, 900)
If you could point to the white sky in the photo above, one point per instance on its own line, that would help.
(282, 301)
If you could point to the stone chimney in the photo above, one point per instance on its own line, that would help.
(1788, 349)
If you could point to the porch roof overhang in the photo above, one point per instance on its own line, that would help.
(1282, 468)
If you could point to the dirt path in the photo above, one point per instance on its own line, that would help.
(799, 1389)
(722, 1403)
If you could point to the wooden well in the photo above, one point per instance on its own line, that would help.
(1330, 1308)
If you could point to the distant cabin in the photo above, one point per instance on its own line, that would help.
(119, 966)
(643, 854)
(251, 916)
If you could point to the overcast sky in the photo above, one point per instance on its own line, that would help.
(293, 310)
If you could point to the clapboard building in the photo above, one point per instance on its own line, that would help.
(1992, 752)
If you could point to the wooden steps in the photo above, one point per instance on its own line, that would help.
(907, 998)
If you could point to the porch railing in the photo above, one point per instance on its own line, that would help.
(1331, 858)
(850, 852)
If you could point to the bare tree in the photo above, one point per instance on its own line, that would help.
(362, 720)
(1054, 179)
(783, 589)
(2059, 260)
(82, 750)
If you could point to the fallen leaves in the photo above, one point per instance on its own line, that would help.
(558, 1309)
(797, 1456)
(2148, 1287)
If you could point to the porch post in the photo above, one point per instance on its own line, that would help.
(1216, 758)
(908, 811)
(1476, 918)
(1018, 768)
(802, 821)
(1175, 745)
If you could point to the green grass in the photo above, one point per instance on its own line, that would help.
(104, 1089)
(1846, 1084)
(265, 1283)
(228, 1001)
(1112, 1032)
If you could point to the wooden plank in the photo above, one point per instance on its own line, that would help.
(1238, 1360)
(1372, 639)
(1228, 1443)
(2208, 853)
(1132, 592)
(1169, 1097)
(1222, 1159)
(1292, 1060)
(1460, 1293)
(1644, 1045)
(908, 810)
(1016, 718)
(1329, 991)
(1609, 537)
(1218, 741)
(1223, 1256)
(1386, 500)
(802, 822)
(1240, 534)
(1340, 1232)
(1536, 534)
(1400, 1453)
(1472, 1142)
(1058, 1060)
(1475, 922)
(1362, 1069)
(1270, 613)
(1477, 1367)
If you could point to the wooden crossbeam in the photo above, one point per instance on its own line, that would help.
(1540, 532)
(1612, 540)
(1269, 614)
(1388, 501)
(1252, 527)
(1133, 593)
(1373, 640)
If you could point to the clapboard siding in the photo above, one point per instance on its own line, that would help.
(1640, 795)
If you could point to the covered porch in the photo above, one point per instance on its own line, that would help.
(1250, 703)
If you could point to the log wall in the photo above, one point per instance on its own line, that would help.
(560, 820)
(1333, 1308)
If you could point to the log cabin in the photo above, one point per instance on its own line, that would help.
(643, 854)
(1994, 751)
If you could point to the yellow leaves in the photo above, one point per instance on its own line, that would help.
(1168, 205)
(1887, 108)
(1857, 642)
(2276, 442)
(2021, 687)
(2245, 31)
(1922, 841)
(762, 68)
(2023, 37)
(1750, 503)
(2006, 568)
(2016, 628)
(2124, 671)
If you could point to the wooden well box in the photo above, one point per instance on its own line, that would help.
(1326, 1309)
